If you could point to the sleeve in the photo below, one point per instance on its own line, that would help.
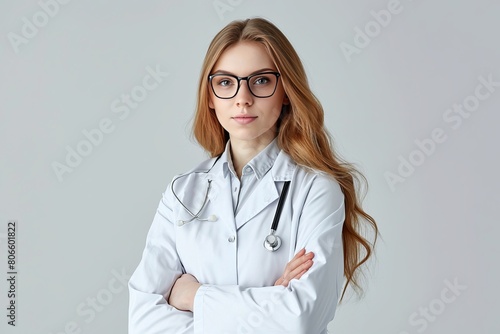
(307, 305)
(150, 284)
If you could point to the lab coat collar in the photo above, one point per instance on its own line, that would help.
(269, 188)
(260, 164)
(272, 159)
(282, 168)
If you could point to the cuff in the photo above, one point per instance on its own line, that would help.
(198, 308)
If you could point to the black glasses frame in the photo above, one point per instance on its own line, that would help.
(210, 78)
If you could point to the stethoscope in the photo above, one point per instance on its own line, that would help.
(272, 242)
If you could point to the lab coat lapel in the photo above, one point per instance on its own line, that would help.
(221, 202)
(264, 194)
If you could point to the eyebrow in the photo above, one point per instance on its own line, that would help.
(254, 72)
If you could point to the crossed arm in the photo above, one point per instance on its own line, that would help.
(304, 298)
(185, 287)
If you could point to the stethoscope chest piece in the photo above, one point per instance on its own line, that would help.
(272, 242)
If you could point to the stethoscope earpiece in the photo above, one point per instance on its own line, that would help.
(211, 218)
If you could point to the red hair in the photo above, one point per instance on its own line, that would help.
(301, 132)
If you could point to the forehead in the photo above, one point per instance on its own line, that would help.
(244, 58)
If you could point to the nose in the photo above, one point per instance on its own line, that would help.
(244, 97)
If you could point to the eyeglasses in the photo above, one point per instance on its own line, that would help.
(226, 86)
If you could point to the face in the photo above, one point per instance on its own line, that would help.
(246, 117)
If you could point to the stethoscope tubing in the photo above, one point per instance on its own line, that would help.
(271, 246)
(277, 215)
(194, 215)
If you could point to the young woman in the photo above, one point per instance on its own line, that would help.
(261, 237)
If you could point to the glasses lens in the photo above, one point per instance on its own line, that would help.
(224, 86)
(263, 85)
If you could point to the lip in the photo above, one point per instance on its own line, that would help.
(245, 119)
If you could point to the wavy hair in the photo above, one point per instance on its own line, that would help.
(301, 132)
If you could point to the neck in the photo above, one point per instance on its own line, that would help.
(243, 151)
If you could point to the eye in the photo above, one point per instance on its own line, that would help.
(261, 80)
(224, 81)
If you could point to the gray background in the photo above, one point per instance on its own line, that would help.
(77, 233)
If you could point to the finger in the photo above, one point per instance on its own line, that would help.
(278, 281)
(293, 268)
(295, 263)
(297, 271)
(297, 276)
(281, 281)
(302, 258)
(300, 275)
(299, 254)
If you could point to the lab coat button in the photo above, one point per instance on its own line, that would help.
(231, 238)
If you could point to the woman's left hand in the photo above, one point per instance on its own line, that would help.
(183, 292)
(297, 267)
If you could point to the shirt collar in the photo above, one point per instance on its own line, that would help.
(260, 164)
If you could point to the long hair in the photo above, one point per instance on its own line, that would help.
(301, 132)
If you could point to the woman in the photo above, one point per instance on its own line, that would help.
(211, 263)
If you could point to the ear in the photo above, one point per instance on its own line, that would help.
(286, 101)
(210, 103)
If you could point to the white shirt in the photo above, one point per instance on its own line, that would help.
(251, 174)
(228, 257)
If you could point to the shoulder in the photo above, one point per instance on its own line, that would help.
(204, 166)
(319, 182)
(182, 186)
(286, 169)
(311, 184)
(192, 175)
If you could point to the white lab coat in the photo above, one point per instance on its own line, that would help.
(228, 257)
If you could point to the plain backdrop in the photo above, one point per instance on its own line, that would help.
(387, 84)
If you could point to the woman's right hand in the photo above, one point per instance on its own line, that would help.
(297, 267)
